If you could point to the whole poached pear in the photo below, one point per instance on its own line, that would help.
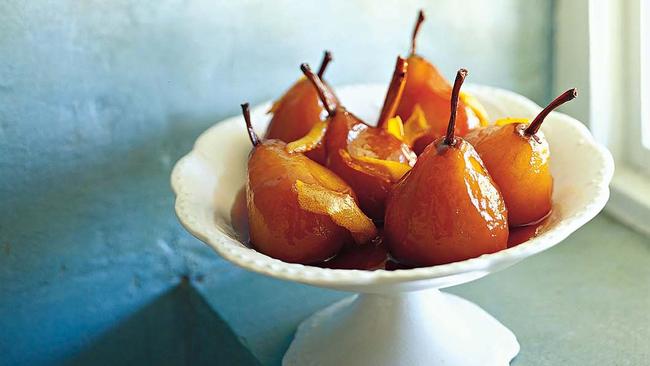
(297, 111)
(427, 92)
(298, 210)
(447, 208)
(517, 156)
(370, 159)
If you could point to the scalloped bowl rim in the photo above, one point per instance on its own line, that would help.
(255, 261)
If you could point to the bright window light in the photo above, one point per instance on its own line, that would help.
(645, 73)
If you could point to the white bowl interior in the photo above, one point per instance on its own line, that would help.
(208, 179)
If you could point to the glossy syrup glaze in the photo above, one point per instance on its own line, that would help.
(297, 111)
(520, 167)
(371, 256)
(426, 87)
(517, 156)
(295, 114)
(279, 226)
(298, 211)
(359, 153)
(446, 209)
(368, 158)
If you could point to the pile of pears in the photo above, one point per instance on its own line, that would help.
(432, 182)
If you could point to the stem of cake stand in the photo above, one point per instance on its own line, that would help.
(426, 327)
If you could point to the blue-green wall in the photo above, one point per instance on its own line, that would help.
(98, 99)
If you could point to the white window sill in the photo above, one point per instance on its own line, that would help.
(630, 198)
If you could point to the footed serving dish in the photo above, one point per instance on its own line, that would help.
(398, 316)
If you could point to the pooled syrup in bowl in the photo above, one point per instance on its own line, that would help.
(370, 256)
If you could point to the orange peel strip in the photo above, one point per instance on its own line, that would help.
(415, 126)
(395, 127)
(310, 141)
(510, 120)
(340, 207)
(394, 170)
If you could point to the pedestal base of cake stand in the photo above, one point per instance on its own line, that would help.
(425, 327)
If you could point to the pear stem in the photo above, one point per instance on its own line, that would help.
(460, 78)
(394, 92)
(534, 126)
(327, 58)
(325, 94)
(416, 29)
(255, 140)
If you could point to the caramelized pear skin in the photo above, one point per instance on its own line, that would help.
(347, 140)
(426, 87)
(447, 208)
(295, 114)
(520, 167)
(440, 188)
(358, 152)
(298, 210)
(279, 227)
(517, 156)
(297, 111)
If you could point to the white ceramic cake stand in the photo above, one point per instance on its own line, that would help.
(398, 317)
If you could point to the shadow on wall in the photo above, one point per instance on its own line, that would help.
(93, 243)
(178, 328)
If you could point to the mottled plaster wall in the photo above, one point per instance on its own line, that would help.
(98, 99)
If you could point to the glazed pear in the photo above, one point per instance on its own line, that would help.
(447, 208)
(298, 111)
(426, 89)
(517, 156)
(370, 159)
(298, 210)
